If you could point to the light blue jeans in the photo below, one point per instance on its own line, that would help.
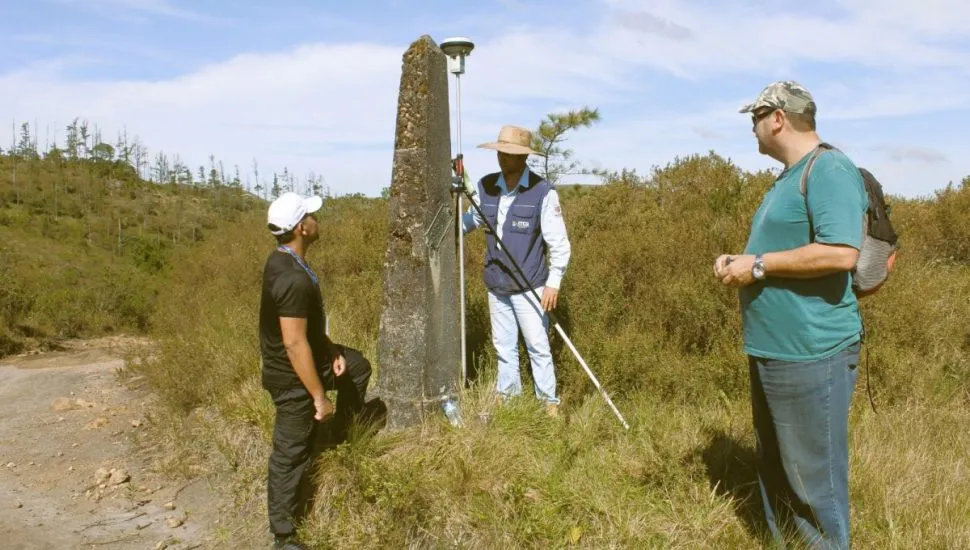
(801, 417)
(509, 314)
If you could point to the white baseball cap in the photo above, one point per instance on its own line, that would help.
(289, 209)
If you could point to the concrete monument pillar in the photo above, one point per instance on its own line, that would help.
(418, 352)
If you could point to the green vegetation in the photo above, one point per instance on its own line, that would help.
(639, 301)
(641, 304)
(87, 232)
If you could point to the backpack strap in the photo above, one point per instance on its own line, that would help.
(803, 184)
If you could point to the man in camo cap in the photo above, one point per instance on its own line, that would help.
(787, 95)
(802, 329)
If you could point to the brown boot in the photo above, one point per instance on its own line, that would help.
(552, 410)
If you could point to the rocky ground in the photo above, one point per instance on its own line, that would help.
(75, 468)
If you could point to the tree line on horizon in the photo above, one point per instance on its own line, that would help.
(85, 142)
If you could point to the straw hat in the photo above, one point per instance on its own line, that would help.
(512, 140)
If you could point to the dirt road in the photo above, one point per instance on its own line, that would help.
(72, 471)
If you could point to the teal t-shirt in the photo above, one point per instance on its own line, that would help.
(805, 319)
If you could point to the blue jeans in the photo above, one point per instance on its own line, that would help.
(509, 314)
(801, 417)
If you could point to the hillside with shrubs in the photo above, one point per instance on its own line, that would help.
(94, 242)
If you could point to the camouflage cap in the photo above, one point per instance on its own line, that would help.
(787, 95)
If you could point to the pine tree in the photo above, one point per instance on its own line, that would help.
(124, 153)
(141, 157)
(95, 138)
(316, 184)
(213, 175)
(161, 170)
(26, 149)
(275, 191)
(259, 187)
(72, 140)
(85, 136)
(103, 152)
(186, 177)
(287, 180)
(548, 138)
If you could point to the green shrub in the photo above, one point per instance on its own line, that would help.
(639, 300)
(641, 304)
(85, 245)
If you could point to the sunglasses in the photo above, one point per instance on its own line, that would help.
(756, 117)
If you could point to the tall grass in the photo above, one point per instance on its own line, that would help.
(642, 306)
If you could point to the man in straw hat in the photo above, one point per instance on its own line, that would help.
(525, 212)
(802, 329)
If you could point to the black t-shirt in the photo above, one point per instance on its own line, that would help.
(288, 291)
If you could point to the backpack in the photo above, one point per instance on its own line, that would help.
(877, 257)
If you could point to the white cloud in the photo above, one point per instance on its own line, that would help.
(129, 9)
(644, 22)
(920, 154)
(909, 93)
(331, 107)
(730, 39)
(936, 18)
(326, 96)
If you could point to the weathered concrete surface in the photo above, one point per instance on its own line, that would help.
(419, 347)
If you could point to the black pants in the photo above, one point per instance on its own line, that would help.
(294, 433)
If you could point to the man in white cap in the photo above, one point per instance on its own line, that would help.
(524, 209)
(802, 329)
(299, 360)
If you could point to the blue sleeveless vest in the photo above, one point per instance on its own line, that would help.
(521, 233)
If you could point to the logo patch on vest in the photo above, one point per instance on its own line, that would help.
(521, 224)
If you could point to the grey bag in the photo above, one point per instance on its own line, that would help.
(877, 257)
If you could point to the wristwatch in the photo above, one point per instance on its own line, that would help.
(758, 269)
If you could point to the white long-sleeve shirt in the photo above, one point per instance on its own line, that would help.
(551, 223)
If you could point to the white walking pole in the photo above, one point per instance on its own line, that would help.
(456, 49)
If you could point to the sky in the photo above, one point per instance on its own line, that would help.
(312, 85)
